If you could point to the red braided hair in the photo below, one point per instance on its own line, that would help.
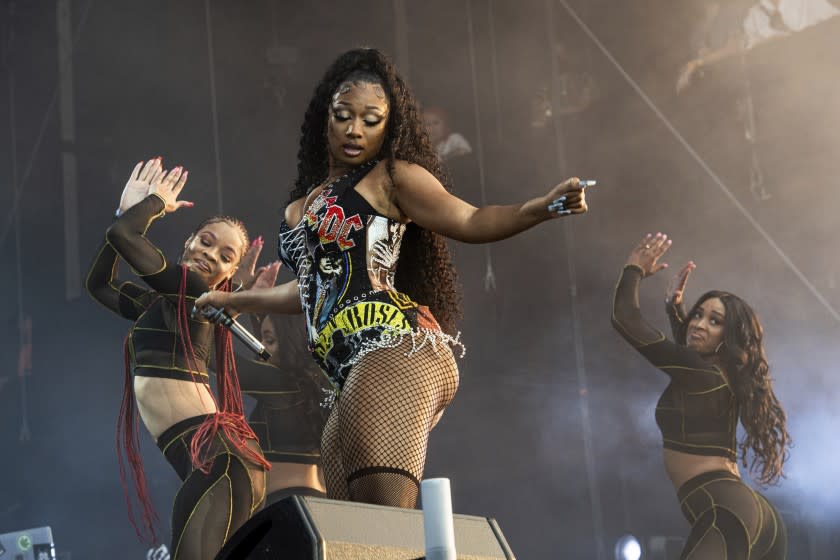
(230, 418)
(128, 444)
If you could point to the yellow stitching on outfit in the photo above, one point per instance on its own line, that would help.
(197, 503)
(254, 501)
(128, 297)
(168, 368)
(697, 445)
(707, 391)
(230, 495)
(714, 371)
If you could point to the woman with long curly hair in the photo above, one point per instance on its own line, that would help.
(719, 373)
(167, 350)
(364, 233)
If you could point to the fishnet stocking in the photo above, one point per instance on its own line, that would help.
(374, 443)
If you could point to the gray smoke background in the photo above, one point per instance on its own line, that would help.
(549, 104)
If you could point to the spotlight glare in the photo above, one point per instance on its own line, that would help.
(628, 548)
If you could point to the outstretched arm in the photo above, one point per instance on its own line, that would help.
(283, 298)
(690, 68)
(422, 198)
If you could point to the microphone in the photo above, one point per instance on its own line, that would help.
(219, 317)
(559, 204)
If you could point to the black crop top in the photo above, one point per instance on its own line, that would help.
(153, 340)
(698, 412)
(288, 418)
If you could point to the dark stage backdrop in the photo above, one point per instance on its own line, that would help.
(221, 87)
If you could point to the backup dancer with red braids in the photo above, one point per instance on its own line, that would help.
(207, 441)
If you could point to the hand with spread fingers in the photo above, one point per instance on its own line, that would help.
(168, 185)
(139, 182)
(247, 272)
(646, 255)
(266, 276)
(676, 287)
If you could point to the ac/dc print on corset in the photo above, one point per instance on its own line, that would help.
(345, 257)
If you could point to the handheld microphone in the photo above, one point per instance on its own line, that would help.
(559, 204)
(219, 317)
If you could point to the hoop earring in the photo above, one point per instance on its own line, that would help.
(719, 346)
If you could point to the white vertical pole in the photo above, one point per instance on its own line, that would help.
(438, 526)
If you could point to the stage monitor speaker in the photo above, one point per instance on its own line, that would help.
(305, 528)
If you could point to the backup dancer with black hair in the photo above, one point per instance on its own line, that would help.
(288, 417)
(719, 373)
(207, 441)
(364, 234)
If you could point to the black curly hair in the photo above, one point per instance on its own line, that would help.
(425, 271)
(745, 363)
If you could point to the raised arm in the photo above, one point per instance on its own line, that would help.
(126, 299)
(127, 235)
(626, 314)
(682, 364)
(677, 315)
(674, 305)
(422, 198)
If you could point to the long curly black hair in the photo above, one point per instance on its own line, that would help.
(425, 271)
(744, 361)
